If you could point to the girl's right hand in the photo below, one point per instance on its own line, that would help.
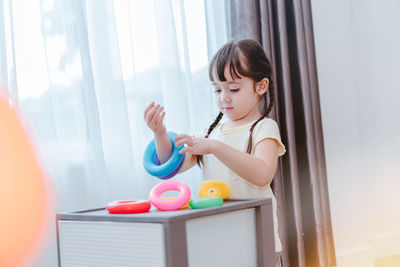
(154, 116)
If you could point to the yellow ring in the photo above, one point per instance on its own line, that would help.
(214, 188)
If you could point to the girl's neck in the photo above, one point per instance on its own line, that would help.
(249, 118)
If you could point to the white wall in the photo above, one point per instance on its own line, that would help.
(358, 59)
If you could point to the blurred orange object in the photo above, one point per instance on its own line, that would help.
(24, 194)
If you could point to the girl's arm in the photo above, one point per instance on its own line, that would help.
(163, 146)
(164, 149)
(153, 116)
(258, 169)
(190, 161)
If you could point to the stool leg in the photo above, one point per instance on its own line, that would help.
(265, 236)
(175, 244)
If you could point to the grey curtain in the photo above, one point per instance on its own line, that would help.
(285, 30)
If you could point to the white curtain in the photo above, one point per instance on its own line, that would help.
(82, 73)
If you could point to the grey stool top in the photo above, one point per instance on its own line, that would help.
(155, 215)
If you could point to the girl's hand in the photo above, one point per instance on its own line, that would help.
(154, 116)
(196, 146)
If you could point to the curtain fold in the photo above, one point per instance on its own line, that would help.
(110, 98)
(285, 30)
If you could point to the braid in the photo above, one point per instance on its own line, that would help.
(199, 158)
(215, 123)
(264, 115)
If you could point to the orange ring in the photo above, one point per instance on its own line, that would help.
(128, 206)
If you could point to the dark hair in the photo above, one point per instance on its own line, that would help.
(243, 58)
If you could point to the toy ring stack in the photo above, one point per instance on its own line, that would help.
(214, 188)
(206, 202)
(128, 206)
(184, 207)
(170, 204)
(167, 170)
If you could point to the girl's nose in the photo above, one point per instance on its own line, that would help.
(225, 97)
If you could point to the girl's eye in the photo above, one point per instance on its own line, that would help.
(217, 91)
(235, 90)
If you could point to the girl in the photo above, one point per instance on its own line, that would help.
(243, 150)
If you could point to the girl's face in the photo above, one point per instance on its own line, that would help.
(238, 99)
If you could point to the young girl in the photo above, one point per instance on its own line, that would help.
(243, 150)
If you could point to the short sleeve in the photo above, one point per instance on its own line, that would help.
(268, 128)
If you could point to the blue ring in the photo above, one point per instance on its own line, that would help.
(169, 167)
(157, 161)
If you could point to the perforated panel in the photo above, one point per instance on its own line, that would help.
(228, 239)
(94, 243)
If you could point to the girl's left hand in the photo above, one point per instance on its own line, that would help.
(194, 145)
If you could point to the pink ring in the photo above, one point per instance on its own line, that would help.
(170, 204)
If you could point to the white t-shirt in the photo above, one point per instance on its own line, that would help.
(237, 137)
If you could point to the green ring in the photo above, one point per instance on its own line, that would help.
(206, 202)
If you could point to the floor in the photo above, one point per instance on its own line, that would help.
(392, 261)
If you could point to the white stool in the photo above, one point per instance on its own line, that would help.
(239, 233)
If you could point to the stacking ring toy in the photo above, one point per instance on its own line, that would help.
(170, 204)
(169, 168)
(128, 206)
(214, 188)
(206, 202)
(184, 207)
(172, 174)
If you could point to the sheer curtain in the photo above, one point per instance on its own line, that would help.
(82, 72)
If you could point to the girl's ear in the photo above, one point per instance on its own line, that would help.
(262, 86)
